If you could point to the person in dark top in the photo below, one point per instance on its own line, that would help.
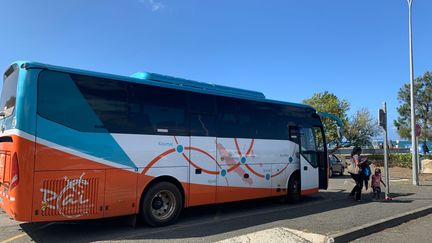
(425, 149)
(358, 177)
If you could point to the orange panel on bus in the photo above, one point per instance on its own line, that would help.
(120, 192)
(66, 195)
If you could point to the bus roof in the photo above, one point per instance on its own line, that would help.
(169, 82)
(199, 85)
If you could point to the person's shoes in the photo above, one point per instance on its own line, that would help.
(358, 200)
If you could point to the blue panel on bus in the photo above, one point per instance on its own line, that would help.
(67, 119)
(198, 85)
(100, 145)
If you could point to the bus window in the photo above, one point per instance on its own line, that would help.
(227, 125)
(202, 103)
(203, 125)
(8, 95)
(308, 146)
(107, 98)
(158, 110)
(60, 101)
(202, 110)
(270, 125)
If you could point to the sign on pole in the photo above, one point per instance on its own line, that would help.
(417, 130)
(382, 118)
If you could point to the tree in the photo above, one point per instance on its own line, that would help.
(330, 103)
(423, 109)
(362, 128)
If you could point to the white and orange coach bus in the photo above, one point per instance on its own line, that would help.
(76, 145)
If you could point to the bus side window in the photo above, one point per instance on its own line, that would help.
(82, 103)
(202, 109)
(202, 103)
(107, 98)
(155, 110)
(294, 135)
(203, 125)
(308, 146)
(227, 118)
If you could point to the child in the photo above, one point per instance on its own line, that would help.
(376, 183)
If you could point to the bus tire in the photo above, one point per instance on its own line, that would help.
(294, 189)
(161, 204)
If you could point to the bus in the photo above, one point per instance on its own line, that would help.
(78, 145)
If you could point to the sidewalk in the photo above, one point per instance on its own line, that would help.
(345, 219)
(406, 197)
(408, 202)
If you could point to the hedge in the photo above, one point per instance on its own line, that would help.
(395, 160)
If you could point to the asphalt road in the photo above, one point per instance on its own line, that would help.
(199, 224)
(418, 231)
(327, 212)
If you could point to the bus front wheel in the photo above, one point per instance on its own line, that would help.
(294, 189)
(161, 204)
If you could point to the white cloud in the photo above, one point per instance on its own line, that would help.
(154, 5)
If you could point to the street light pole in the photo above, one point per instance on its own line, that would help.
(386, 169)
(413, 120)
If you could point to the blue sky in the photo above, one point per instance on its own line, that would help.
(288, 49)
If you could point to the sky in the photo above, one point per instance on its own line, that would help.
(287, 49)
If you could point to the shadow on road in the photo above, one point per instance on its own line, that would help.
(195, 222)
(341, 177)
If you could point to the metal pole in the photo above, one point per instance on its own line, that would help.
(413, 121)
(386, 169)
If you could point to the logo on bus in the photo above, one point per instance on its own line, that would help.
(70, 202)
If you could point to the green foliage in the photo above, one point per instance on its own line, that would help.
(394, 160)
(423, 102)
(358, 130)
(361, 129)
(330, 103)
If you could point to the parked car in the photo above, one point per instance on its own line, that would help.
(336, 165)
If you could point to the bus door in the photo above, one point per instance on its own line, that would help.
(322, 157)
(309, 171)
(203, 169)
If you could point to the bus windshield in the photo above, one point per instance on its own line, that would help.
(8, 95)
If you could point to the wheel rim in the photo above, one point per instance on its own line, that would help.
(163, 205)
(295, 187)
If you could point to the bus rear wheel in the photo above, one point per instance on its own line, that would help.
(161, 204)
(294, 189)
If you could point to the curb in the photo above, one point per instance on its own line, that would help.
(379, 225)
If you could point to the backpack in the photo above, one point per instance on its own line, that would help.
(367, 171)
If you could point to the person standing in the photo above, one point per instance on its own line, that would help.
(376, 184)
(425, 149)
(356, 173)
